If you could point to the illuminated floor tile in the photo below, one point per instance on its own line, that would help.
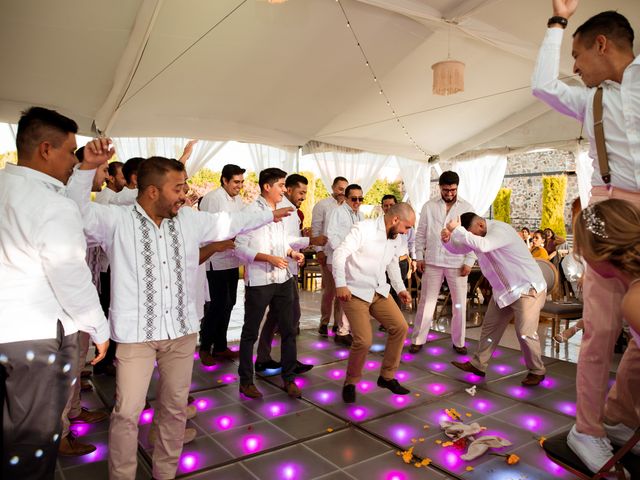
(252, 439)
(292, 463)
(535, 420)
(347, 447)
(308, 423)
(202, 453)
(391, 467)
(483, 402)
(400, 429)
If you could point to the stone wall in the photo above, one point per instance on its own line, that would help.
(524, 177)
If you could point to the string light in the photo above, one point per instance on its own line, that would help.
(381, 91)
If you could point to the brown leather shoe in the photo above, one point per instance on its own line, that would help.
(292, 389)
(71, 447)
(189, 436)
(89, 416)
(460, 350)
(415, 348)
(532, 379)
(227, 354)
(468, 367)
(250, 391)
(206, 358)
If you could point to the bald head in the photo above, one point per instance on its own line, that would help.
(399, 219)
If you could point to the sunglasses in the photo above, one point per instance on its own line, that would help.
(357, 199)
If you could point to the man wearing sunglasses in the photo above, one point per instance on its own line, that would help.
(339, 225)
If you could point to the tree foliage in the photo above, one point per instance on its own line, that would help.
(502, 205)
(554, 189)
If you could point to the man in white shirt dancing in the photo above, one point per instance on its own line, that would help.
(519, 289)
(370, 250)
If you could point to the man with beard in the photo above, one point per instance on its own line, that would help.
(296, 193)
(153, 249)
(519, 289)
(436, 264)
(115, 183)
(359, 264)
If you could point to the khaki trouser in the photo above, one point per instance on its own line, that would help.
(526, 314)
(329, 301)
(135, 362)
(73, 408)
(602, 325)
(385, 311)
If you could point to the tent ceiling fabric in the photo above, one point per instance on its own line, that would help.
(288, 73)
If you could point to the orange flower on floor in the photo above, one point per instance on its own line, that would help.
(541, 440)
(512, 459)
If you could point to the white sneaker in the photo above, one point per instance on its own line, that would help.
(593, 451)
(619, 434)
(191, 411)
(189, 436)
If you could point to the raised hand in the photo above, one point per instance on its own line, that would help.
(564, 8)
(97, 152)
(188, 150)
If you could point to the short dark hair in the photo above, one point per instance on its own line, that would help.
(270, 176)
(80, 154)
(229, 171)
(525, 228)
(152, 171)
(611, 24)
(339, 179)
(37, 125)
(294, 179)
(113, 168)
(466, 219)
(131, 167)
(353, 186)
(388, 196)
(449, 178)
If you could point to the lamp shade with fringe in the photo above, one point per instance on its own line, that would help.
(448, 77)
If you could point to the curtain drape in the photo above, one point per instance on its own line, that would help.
(417, 181)
(480, 179)
(266, 156)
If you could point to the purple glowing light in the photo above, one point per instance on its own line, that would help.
(336, 374)
(310, 360)
(472, 378)
(365, 386)
(320, 345)
(400, 433)
(228, 378)
(503, 369)
(518, 392)
(437, 388)
(452, 460)
(372, 365)
(79, 429)
(552, 467)
(548, 383)
(531, 422)
(301, 382)
(189, 462)
(290, 472)
(325, 396)
(437, 366)
(342, 353)
(395, 476)
(400, 400)
(276, 409)
(99, 454)
(407, 357)
(402, 375)
(497, 354)
(224, 423)
(481, 405)
(359, 413)
(407, 342)
(196, 356)
(146, 416)
(568, 408)
(252, 444)
(203, 404)
(435, 351)
(432, 336)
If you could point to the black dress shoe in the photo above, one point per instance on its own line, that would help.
(270, 365)
(393, 385)
(460, 350)
(468, 367)
(345, 340)
(323, 330)
(414, 348)
(334, 329)
(349, 393)
(302, 367)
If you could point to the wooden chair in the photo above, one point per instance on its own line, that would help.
(311, 274)
(555, 309)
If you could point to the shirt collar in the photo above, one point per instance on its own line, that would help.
(27, 172)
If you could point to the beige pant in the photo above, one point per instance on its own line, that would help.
(385, 311)
(330, 302)
(526, 314)
(72, 408)
(339, 317)
(135, 362)
(602, 325)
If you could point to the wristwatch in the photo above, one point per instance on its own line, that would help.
(563, 22)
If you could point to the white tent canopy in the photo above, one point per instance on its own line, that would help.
(289, 73)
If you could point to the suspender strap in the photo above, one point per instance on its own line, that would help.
(598, 128)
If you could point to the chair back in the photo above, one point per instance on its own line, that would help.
(550, 274)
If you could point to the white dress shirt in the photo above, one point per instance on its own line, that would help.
(504, 260)
(319, 217)
(106, 196)
(363, 258)
(272, 239)
(127, 196)
(43, 274)
(219, 200)
(154, 269)
(338, 225)
(621, 111)
(294, 227)
(433, 218)
(408, 243)
(98, 257)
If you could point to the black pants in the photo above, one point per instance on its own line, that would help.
(404, 271)
(279, 298)
(35, 383)
(105, 301)
(270, 324)
(223, 287)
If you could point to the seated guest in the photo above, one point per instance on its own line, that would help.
(607, 237)
(537, 245)
(551, 242)
(525, 233)
(519, 289)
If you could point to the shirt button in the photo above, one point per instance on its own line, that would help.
(164, 263)
(167, 311)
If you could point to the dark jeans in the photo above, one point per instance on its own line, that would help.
(279, 298)
(35, 384)
(404, 270)
(105, 301)
(223, 286)
(270, 324)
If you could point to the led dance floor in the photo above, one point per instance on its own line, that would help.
(320, 437)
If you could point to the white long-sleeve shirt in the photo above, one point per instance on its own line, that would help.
(219, 200)
(106, 196)
(43, 274)
(127, 196)
(319, 217)
(408, 243)
(271, 239)
(433, 218)
(504, 260)
(294, 227)
(363, 258)
(154, 269)
(338, 225)
(621, 111)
